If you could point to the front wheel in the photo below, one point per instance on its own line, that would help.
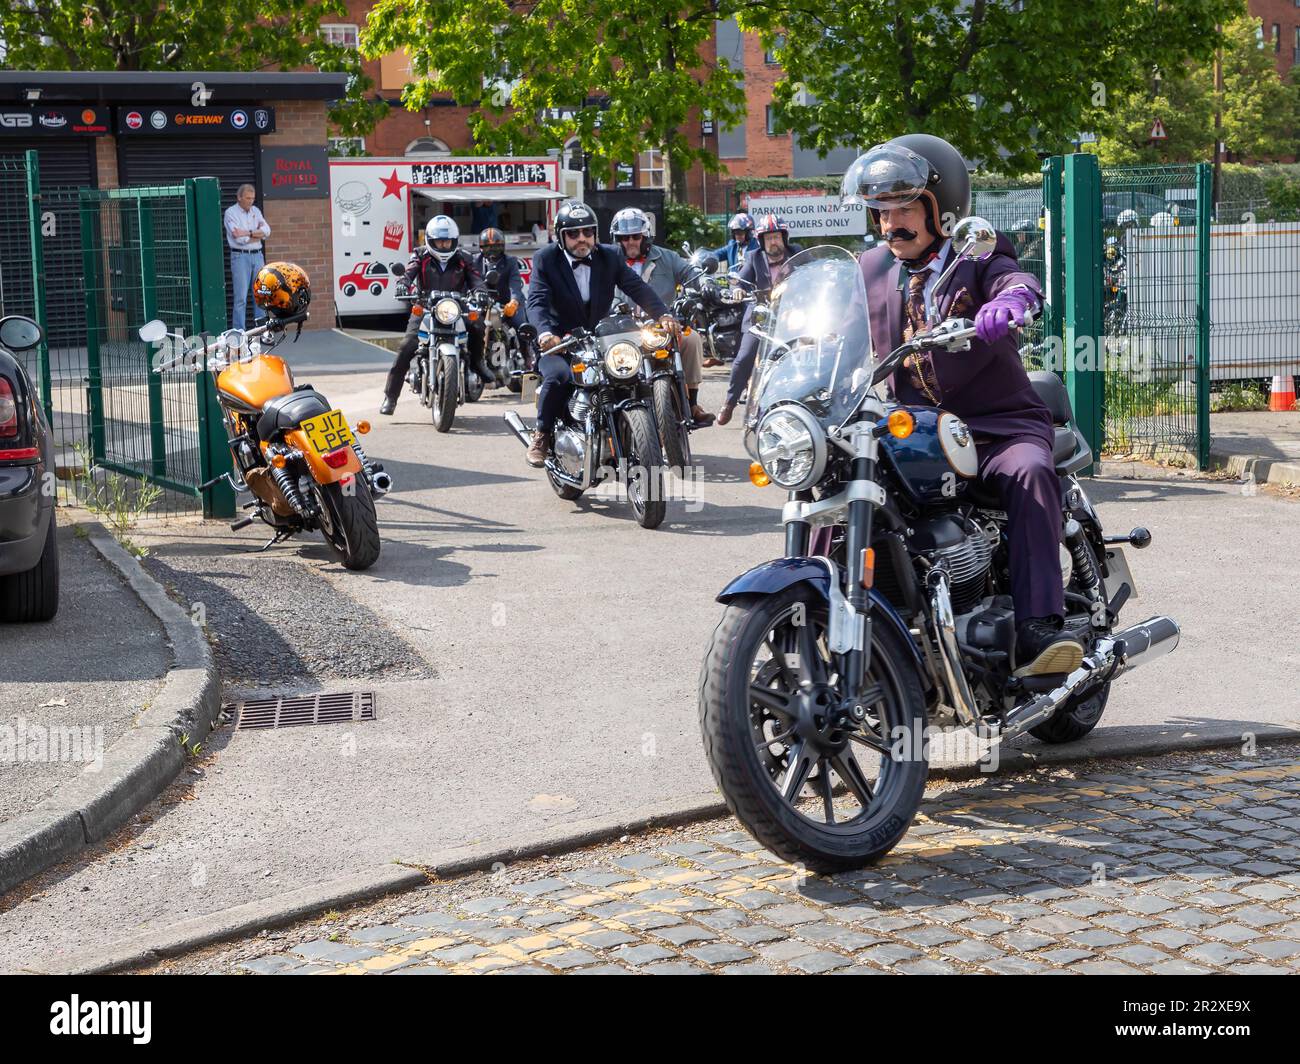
(567, 492)
(444, 393)
(645, 476)
(349, 523)
(810, 783)
(672, 433)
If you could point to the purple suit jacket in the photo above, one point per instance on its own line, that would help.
(987, 386)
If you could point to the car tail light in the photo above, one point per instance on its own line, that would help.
(8, 411)
(337, 459)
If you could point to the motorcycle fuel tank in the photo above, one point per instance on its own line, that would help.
(256, 382)
(934, 462)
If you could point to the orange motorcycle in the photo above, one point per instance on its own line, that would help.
(292, 450)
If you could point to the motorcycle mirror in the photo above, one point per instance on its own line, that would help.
(527, 331)
(153, 331)
(975, 237)
(492, 278)
(686, 248)
(761, 315)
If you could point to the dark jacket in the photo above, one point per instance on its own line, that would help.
(510, 283)
(730, 253)
(459, 275)
(554, 303)
(757, 270)
(987, 386)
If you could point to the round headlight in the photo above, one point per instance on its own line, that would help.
(654, 338)
(622, 360)
(447, 311)
(792, 448)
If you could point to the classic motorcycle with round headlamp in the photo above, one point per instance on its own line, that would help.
(441, 374)
(831, 663)
(608, 429)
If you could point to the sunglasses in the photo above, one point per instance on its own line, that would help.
(588, 230)
(622, 237)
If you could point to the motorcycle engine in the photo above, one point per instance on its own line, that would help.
(962, 547)
(570, 449)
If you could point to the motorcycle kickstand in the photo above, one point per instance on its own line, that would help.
(279, 537)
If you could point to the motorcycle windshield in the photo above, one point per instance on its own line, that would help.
(816, 350)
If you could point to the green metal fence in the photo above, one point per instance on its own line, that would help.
(95, 266)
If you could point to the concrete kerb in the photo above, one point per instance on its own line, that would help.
(1257, 468)
(142, 762)
(399, 877)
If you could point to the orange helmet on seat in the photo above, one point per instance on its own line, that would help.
(282, 289)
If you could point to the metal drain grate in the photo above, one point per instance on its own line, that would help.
(331, 707)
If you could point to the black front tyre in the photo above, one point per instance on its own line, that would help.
(790, 769)
(567, 492)
(444, 394)
(34, 594)
(349, 523)
(645, 480)
(672, 432)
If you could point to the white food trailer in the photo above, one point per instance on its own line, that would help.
(380, 208)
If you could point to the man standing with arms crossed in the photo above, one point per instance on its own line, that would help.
(245, 231)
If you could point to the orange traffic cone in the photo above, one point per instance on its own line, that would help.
(1282, 395)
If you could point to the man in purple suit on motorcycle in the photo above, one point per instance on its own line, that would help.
(917, 188)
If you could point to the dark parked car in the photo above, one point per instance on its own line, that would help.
(29, 553)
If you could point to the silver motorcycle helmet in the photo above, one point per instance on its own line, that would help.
(442, 238)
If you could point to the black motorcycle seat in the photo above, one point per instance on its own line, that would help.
(290, 411)
(1063, 445)
(1053, 394)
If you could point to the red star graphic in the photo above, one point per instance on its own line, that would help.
(393, 185)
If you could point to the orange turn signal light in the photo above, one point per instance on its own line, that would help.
(363, 427)
(901, 423)
(661, 353)
(473, 315)
(279, 461)
(758, 476)
(868, 567)
(579, 367)
(417, 311)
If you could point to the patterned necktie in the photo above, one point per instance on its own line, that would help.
(920, 367)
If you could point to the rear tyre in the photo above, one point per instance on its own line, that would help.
(349, 523)
(473, 387)
(1075, 719)
(33, 595)
(567, 492)
(444, 394)
(645, 479)
(669, 418)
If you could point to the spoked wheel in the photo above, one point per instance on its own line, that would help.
(645, 476)
(444, 394)
(808, 779)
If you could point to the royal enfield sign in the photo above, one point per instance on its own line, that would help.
(496, 174)
(812, 215)
(165, 120)
(73, 121)
(300, 172)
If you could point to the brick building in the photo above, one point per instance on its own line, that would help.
(1280, 28)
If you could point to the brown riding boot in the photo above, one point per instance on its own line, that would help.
(724, 415)
(701, 416)
(538, 449)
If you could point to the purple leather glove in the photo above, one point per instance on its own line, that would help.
(993, 321)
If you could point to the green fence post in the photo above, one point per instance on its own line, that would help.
(91, 273)
(149, 297)
(33, 168)
(1053, 266)
(1204, 205)
(1084, 372)
(208, 303)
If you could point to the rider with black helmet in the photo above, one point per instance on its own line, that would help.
(509, 289)
(571, 287)
(439, 266)
(742, 242)
(917, 188)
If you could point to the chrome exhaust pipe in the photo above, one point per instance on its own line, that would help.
(1115, 654)
(380, 484)
(516, 425)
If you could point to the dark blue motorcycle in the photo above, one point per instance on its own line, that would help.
(890, 614)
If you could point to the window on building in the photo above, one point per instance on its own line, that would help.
(427, 146)
(652, 168)
(1277, 37)
(773, 122)
(769, 56)
(344, 33)
(1295, 52)
(346, 146)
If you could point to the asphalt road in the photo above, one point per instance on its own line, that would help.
(547, 657)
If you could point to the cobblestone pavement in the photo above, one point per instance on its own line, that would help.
(1193, 868)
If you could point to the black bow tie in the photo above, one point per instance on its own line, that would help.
(580, 262)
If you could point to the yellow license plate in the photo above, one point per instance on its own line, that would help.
(328, 432)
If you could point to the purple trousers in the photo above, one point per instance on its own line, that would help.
(1021, 470)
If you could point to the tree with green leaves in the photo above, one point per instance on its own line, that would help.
(210, 35)
(623, 76)
(1259, 109)
(1003, 80)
